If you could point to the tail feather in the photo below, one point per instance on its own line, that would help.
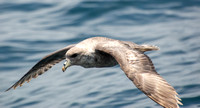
(145, 47)
(142, 48)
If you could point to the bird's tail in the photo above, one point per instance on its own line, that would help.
(145, 47)
(142, 48)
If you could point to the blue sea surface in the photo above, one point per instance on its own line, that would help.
(30, 29)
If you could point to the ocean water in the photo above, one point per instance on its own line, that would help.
(31, 29)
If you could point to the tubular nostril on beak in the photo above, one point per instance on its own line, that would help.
(66, 65)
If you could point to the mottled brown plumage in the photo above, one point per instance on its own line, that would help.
(105, 52)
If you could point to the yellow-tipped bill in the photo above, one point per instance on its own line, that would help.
(66, 65)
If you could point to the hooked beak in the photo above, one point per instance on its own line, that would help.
(66, 65)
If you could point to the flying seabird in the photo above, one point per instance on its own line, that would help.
(106, 52)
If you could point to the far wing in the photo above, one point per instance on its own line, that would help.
(140, 70)
(42, 66)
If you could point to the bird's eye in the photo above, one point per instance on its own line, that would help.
(74, 55)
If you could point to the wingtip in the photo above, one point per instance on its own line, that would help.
(13, 86)
(8, 89)
(179, 101)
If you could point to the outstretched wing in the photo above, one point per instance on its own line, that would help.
(42, 66)
(140, 70)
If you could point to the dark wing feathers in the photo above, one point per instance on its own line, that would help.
(42, 66)
(140, 70)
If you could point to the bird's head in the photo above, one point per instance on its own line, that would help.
(78, 56)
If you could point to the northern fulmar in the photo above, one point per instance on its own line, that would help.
(106, 52)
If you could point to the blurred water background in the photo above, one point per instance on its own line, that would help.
(31, 29)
